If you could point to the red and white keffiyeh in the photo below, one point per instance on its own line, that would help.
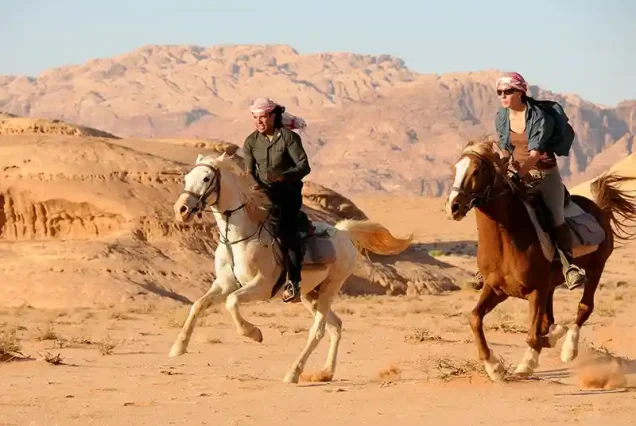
(512, 80)
(290, 121)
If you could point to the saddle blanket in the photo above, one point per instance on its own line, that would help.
(586, 232)
(319, 247)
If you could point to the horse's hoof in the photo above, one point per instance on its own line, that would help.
(556, 333)
(524, 370)
(568, 354)
(494, 368)
(255, 335)
(177, 350)
(291, 378)
(570, 349)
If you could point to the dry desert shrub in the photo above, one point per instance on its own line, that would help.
(10, 346)
(46, 333)
(419, 335)
(106, 346)
(53, 359)
(120, 316)
(448, 368)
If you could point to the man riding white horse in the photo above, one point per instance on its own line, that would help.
(275, 158)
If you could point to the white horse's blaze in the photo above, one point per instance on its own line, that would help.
(460, 173)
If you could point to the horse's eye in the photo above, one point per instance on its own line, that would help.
(206, 179)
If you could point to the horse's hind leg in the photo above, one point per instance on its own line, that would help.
(317, 330)
(538, 301)
(217, 294)
(487, 302)
(334, 328)
(570, 348)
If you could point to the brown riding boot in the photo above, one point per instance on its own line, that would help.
(574, 276)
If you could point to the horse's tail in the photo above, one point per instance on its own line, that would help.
(618, 204)
(372, 236)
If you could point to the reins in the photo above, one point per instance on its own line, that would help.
(483, 197)
(215, 186)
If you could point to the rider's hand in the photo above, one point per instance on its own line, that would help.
(274, 177)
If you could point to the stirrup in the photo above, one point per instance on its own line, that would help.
(291, 292)
(574, 277)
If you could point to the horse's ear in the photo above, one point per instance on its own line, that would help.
(199, 159)
(222, 156)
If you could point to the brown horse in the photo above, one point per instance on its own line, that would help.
(510, 256)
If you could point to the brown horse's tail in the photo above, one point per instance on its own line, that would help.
(618, 204)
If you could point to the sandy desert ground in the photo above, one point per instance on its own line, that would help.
(409, 359)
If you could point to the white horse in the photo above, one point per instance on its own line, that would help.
(246, 260)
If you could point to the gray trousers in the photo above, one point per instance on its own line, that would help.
(551, 191)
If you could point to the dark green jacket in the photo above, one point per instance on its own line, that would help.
(283, 156)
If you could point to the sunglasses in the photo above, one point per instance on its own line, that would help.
(506, 92)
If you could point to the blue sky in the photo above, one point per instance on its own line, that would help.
(585, 47)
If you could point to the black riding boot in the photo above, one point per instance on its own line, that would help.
(295, 253)
(574, 276)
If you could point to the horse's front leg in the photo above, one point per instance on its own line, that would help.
(220, 289)
(487, 302)
(259, 288)
(538, 304)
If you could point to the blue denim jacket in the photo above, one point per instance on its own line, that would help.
(539, 128)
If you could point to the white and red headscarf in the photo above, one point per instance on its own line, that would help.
(512, 80)
(290, 121)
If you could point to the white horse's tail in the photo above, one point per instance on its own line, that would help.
(372, 236)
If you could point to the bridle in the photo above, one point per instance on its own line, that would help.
(483, 197)
(215, 186)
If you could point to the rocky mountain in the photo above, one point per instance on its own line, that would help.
(373, 124)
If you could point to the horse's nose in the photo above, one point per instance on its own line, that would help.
(183, 210)
(455, 207)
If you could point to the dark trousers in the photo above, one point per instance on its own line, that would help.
(287, 200)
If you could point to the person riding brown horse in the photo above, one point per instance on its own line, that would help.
(528, 138)
(510, 256)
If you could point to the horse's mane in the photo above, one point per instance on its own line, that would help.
(484, 148)
(256, 201)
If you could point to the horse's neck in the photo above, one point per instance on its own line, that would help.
(504, 216)
(231, 215)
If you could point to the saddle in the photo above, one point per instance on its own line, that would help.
(318, 246)
(586, 232)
